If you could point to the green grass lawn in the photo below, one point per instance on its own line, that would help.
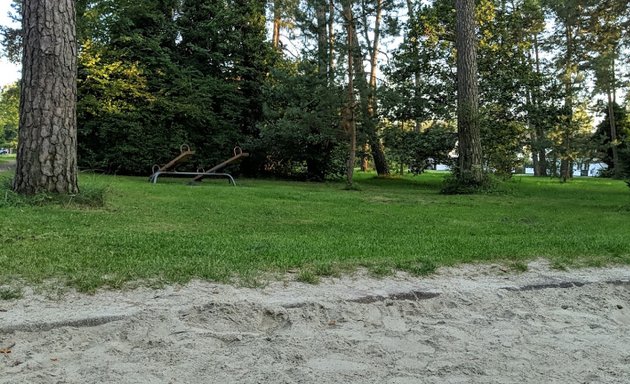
(6, 158)
(172, 232)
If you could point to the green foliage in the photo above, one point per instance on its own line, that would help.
(519, 266)
(602, 138)
(571, 135)
(300, 136)
(9, 293)
(421, 149)
(307, 276)
(149, 82)
(421, 83)
(418, 268)
(503, 140)
(9, 115)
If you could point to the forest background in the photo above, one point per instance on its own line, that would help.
(271, 76)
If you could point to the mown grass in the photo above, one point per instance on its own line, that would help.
(6, 159)
(173, 232)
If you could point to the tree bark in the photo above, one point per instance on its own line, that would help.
(275, 37)
(368, 93)
(540, 133)
(565, 159)
(331, 42)
(613, 135)
(47, 154)
(347, 118)
(415, 52)
(322, 38)
(467, 93)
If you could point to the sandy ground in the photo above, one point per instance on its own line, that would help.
(473, 324)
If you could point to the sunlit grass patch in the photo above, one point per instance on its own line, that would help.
(172, 232)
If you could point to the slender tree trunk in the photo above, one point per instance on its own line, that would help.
(375, 48)
(368, 97)
(467, 93)
(415, 52)
(331, 42)
(47, 148)
(565, 161)
(540, 132)
(322, 38)
(378, 152)
(348, 120)
(365, 159)
(613, 135)
(275, 39)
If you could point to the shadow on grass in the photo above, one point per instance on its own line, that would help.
(432, 182)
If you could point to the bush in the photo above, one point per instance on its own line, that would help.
(300, 136)
(420, 149)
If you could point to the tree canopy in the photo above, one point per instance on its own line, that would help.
(272, 77)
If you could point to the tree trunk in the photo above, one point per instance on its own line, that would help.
(368, 99)
(365, 160)
(331, 42)
(415, 52)
(540, 132)
(613, 136)
(467, 93)
(565, 159)
(347, 119)
(275, 38)
(565, 169)
(322, 38)
(378, 153)
(47, 149)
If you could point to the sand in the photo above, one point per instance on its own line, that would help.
(471, 324)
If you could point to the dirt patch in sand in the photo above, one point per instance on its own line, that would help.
(473, 324)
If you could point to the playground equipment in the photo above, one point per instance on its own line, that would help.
(185, 153)
(238, 154)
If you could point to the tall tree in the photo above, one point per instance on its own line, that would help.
(470, 157)
(47, 146)
(347, 119)
(568, 41)
(606, 29)
(367, 113)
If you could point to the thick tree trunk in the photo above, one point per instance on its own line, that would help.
(467, 92)
(47, 155)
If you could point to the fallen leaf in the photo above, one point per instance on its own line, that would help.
(7, 350)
